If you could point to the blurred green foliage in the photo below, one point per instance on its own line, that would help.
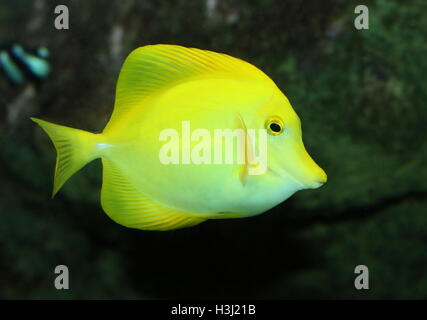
(361, 97)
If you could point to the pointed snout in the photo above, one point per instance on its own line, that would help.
(305, 170)
(314, 176)
(319, 178)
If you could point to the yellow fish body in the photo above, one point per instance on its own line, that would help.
(167, 89)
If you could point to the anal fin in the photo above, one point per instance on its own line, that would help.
(129, 207)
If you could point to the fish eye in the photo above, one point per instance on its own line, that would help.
(274, 126)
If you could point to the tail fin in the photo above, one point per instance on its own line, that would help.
(74, 148)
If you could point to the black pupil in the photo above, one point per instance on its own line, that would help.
(275, 127)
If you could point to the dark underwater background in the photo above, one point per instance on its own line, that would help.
(361, 95)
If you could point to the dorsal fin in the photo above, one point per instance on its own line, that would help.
(150, 69)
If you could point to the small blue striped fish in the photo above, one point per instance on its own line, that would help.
(21, 64)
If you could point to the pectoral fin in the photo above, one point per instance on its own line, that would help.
(249, 155)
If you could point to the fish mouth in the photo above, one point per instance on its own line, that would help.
(319, 181)
(309, 185)
(303, 169)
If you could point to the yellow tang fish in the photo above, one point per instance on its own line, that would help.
(157, 173)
